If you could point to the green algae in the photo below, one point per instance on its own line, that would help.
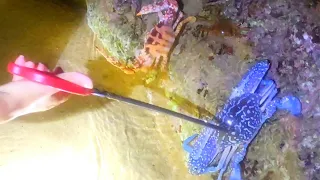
(118, 33)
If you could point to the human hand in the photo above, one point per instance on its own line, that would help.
(34, 97)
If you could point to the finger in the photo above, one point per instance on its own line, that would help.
(16, 78)
(46, 68)
(57, 97)
(29, 64)
(60, 97)
(20, 60)
(41, 67)
(77, 78)
(58, 70)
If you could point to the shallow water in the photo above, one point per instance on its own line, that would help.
(87, 137)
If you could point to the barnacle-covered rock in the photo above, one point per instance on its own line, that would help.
(116, 26)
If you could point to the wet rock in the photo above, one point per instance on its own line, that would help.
(192, 8)
(316, 35)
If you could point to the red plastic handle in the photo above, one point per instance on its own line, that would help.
(49, 79)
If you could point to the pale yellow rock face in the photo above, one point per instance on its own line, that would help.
(86, 138)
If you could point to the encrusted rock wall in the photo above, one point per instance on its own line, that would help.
(206, 67)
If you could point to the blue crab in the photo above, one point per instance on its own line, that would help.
(251, 103)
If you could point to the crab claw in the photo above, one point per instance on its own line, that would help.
(150, 9)
(291, 104)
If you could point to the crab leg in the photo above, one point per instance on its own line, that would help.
(191, 19)
(161, 16)
(159, 6)
(202, 141)
(262, 90)
(251, 79)
(186, 143)
(265, 92)
(164, 63)
(180, 16)
(114, 62)
(232, 151)
(213, 169)
(272, 94)
(204, 138)
(236, 172)
(236, 169)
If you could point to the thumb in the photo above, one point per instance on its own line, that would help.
(77, 78)
(74, 77)
(54, 97)
(59, 97)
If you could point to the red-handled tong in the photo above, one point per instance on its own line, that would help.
(50, 79)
